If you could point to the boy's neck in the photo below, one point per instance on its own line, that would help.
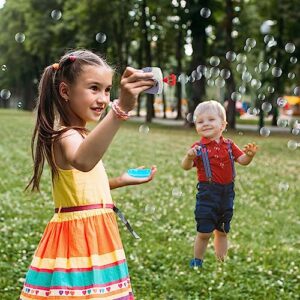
(216, 139)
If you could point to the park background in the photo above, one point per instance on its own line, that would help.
(242, 53)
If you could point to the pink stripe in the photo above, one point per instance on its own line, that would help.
(75, 288)
(78, 269)
(84, 207)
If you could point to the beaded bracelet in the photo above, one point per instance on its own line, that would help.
(120, 114)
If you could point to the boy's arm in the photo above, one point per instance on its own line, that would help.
(249, 152)
(188, 161)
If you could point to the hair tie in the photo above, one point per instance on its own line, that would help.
(55, 66)
(72, 58)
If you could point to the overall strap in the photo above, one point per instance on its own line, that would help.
(204, 155)
(229, 147)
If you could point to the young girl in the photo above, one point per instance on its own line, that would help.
(80, 255)
(214, 157)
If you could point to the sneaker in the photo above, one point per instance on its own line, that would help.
(196, 263)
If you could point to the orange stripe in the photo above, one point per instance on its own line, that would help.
(81, 237)
(105, 295)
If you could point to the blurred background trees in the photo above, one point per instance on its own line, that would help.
(233, 50)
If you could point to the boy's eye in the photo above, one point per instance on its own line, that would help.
(107, 90)
(94, 87)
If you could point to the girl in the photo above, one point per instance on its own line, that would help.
(80, 255)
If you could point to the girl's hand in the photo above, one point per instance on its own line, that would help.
(126, 179)
(133, 82)
(192, 152)
(250, 149)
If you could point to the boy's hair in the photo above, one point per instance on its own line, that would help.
(51, 108)
(210, 106)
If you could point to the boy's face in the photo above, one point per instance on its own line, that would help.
(209, 125)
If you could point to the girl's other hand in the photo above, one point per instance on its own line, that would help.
(133, 82)
(126, 179)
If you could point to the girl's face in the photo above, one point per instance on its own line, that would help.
(210, 125)
(89, 95)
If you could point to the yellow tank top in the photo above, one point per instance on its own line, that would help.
(73, 187)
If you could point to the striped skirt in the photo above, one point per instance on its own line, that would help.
(80, 256)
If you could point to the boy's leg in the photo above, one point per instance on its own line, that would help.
(221, 244)
(201, 243)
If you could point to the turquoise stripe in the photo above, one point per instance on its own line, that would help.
(77, 279)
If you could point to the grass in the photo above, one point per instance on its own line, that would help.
(264, 256)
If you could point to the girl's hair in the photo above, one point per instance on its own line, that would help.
(210, 106)
(51, 109)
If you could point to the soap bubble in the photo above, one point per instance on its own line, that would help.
(5, 94)
(3, 68)
(183, 79)
(100, 37)
(282, 123)
(205, 12)
(276, 72)
(291, 75)
(214, 61)
(263, 66)
(289, 47)
(144, 129)
(241, 58)
(56, 14)
(264, 131)
(272, 61)
(256, 84)
(266, 107)
(250, 42)
(230, 56)
(246, 76)
(242, 89)
(281, 102)
(220, 82)
(297, 91)
(293, 60)
(261, 96)
(20, 37)
(270, 89)
(241, 68)
(235, 96)
(225, 73)
(269, 38)
(292, 145)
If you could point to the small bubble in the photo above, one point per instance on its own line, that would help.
(205, 12)
(242, 89)
(261, 96)
(250, 42)
(281, 102)
(270, 89)
(220, 82)
(3, 68)
(263, 66)
(272, 61)
(20, 37)
(291, 75)
(289, 47)
(20, 104)
(282, 123)
(189, 118)
(276, 72)
(176, 192)
(283, 186)
(241, 58)
(293, 60)
(100, 37)
(266, 107)
(56, 14)
(230, 56)
(292, 145)
(297, 91)
(295, 131)
(268, 38)
(183, 79)
(214, 61)
(235, 96)
(144, 129)
(246, 76)
(5, 94)
(225, 73)
(256, 83)
(264, 131)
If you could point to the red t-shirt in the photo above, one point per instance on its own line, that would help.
(219, 160)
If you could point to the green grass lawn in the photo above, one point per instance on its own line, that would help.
(264, 256)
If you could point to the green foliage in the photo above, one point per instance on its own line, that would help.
(263, 259)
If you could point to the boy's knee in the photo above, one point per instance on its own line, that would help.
(204, 235)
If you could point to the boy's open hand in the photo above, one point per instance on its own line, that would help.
(250, 149)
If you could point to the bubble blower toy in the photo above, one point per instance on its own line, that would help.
(139, 173)
(159, 80)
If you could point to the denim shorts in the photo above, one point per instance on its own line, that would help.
(214, 206)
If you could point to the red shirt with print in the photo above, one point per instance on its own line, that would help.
(219, 160)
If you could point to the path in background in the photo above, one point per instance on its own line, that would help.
(239, 127)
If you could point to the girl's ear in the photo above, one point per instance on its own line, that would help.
(64, 91)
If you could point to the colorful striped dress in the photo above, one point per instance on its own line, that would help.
(80, 255)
